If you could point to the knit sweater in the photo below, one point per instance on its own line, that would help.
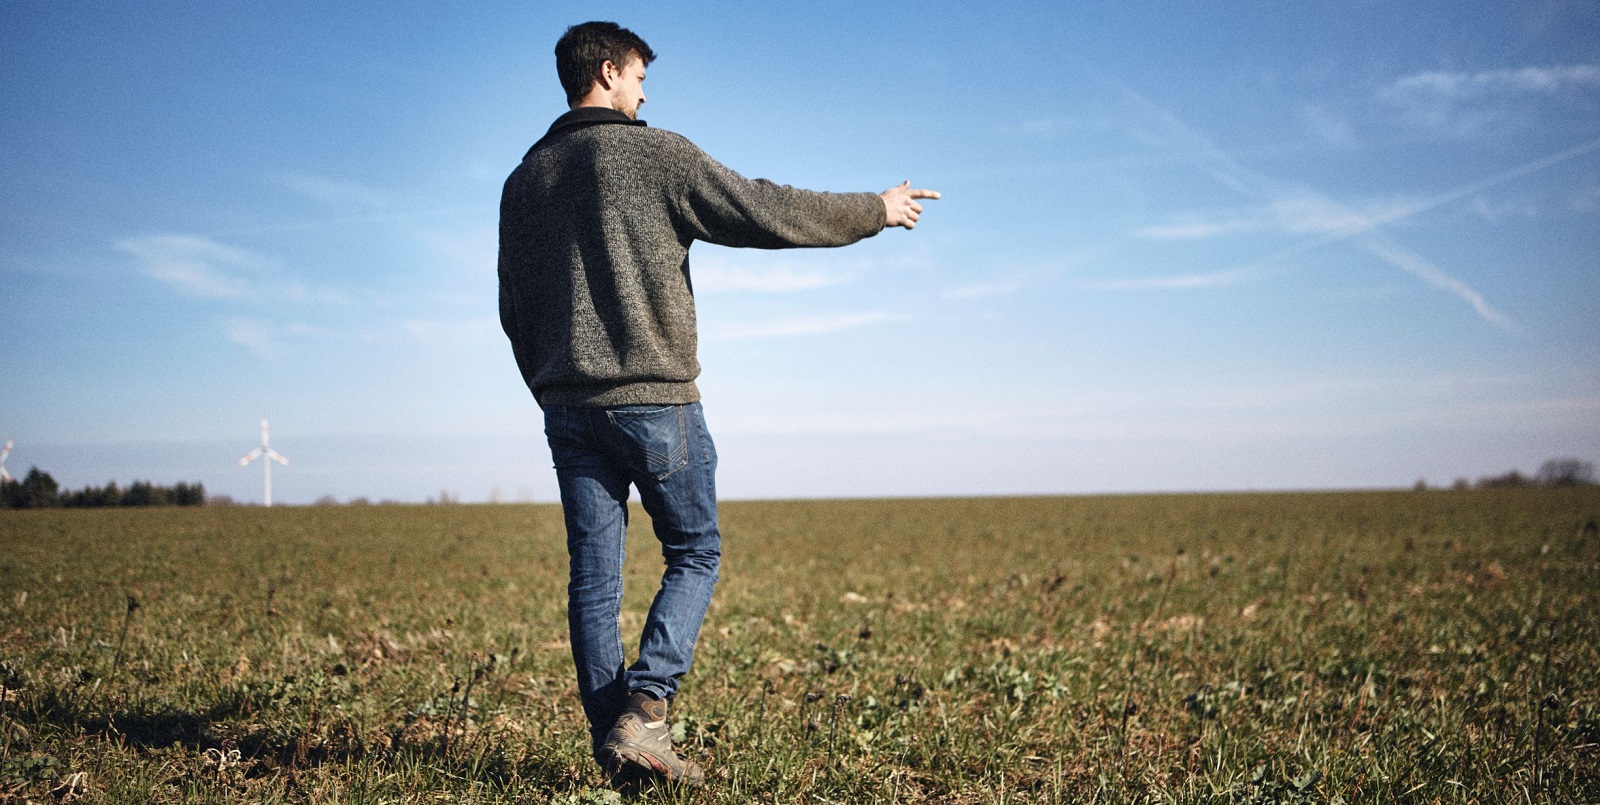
(595, 229)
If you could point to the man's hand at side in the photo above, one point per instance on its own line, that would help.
(901, 207)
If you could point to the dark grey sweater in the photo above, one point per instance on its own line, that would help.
(595, 228)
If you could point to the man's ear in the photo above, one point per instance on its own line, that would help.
(608, 74)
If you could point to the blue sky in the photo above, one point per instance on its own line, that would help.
(1181, 247)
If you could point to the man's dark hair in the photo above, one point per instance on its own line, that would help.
(584, 48)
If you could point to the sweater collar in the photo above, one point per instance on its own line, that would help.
(580, 118)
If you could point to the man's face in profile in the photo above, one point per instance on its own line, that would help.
(627, 90)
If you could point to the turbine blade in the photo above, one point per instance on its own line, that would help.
(251, 456)
(278, 457)
(7, 450)
(5, 476)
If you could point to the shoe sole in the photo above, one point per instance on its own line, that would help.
(644, 760)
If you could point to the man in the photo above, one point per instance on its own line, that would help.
(595, 295)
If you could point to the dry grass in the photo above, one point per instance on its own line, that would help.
(1363, 647)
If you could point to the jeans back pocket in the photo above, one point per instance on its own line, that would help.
(656, 437)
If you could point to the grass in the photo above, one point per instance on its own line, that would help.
(1354, 647)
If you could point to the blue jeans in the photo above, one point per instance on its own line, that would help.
(666, 452)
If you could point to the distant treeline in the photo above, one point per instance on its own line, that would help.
(1555, 472)
(38, 490)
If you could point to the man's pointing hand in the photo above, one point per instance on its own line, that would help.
(900, 204)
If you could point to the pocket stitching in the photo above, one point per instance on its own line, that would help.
(677, 460)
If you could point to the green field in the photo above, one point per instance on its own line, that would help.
(1354, 647)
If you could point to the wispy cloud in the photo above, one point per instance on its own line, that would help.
(266, 336)
(1498, 82)
(1038, 128)
(1475, 104)
(1165, 133)
(337, 194)
(206, 268)
(262, 337)
(982, 290)
(1200, 227)
(1329, 126)
(1315, 213)
(197, 266)
(1493, 212)
(256, 335)
(1297, 406)
(900, 420)
(454, 332)
(1586, 199)
(1172, 282)
(794, 326)
(402, 218)
(1304, 215)
(718, 274)
(472, 251)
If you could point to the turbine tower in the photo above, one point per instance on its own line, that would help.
(268, 455)
(5, 476)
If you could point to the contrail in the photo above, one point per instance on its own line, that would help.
(1413, 263)
(1195, 148)
(1483, 184)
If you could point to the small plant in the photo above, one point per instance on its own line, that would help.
(122, 638)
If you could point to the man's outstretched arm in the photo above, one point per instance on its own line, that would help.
(900, 204)
(719, 206)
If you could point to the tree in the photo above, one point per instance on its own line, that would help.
(1565, 472)
(189, 494)
(39, 490)
(1510, 480)
(140, 493)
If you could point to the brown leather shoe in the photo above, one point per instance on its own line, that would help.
(640, 745)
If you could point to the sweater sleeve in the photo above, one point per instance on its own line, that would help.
(719, 206)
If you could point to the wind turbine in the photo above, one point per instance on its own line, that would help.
(268, 455)
(6, 476)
